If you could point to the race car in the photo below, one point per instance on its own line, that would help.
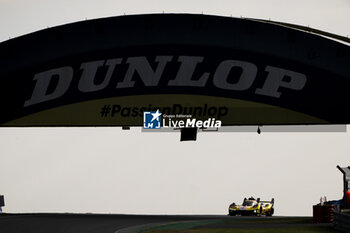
(251, 206)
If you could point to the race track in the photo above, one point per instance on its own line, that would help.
(83, 223)
(113, 223)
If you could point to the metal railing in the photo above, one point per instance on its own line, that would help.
(306, 29)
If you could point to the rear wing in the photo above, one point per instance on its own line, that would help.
(2, 203)
(272, 201)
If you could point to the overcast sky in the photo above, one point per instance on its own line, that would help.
(107, 170)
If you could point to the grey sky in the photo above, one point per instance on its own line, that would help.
(107, 170)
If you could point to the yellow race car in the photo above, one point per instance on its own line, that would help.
(251, 206)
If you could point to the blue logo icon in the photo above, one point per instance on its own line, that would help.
(151, 120)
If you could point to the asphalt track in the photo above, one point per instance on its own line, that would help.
(113, 223)
(86, 223)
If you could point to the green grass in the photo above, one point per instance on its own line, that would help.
(237, 225)
(271, 220)
(315, 229)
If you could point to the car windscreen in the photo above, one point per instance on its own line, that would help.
(247, 203)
